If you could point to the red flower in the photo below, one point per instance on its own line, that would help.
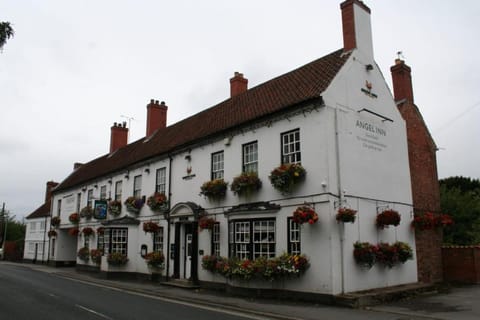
(305, 214)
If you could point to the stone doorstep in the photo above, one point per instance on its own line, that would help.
(180, 283)
(361, 299)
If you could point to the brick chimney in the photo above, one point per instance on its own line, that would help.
(156, 116)
(118, 136)
(238, 84)
(357, 30)
(48, 191)
(402, 81)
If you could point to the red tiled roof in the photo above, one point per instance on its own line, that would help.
(40, 212)
(300, 85)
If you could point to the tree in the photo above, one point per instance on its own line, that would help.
(460, 197)
(6, 32)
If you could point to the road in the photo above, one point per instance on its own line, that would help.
(29, 294)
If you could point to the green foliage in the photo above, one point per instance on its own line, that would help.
(460, 197)
(6, 32)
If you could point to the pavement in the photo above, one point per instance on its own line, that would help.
(459, 303)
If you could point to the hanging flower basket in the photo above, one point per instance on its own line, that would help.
(84, 254)
(346, 215)
(73, 231)
(155, 259)
(115, 207)
(150, 226)
(364, 253)
(117, 259)
(214, 189)
(305, 214)
(285, 177)
(52, 233)
(390, 255)
(96, 255)
(429, 221)
(87, 231)
(100, 230)
(388, 217)
(134, 205)
(74, 218)
(86, 212)
(55, 221)
(246, 183)
(404, 251)
(158, 202)
(206, 223)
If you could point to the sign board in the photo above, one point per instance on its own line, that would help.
(100, 209)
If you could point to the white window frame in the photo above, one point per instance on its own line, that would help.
(252, 239)
(158, 240)
(90, 198)
(250, 157)
(137, 186)
(118, 190)
(291, 152)
(103, 192)
(217, 165)
(216, 239)
(161, 180)
(294, 237)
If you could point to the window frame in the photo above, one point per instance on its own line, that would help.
(59, 207)
(103, 192)
(216, 173)
(118, 195)
(79, 201)
(161, 186)
(215, 248)
(158, 241)
(108, 242)
(137, 186)
(90, 198)
(292, 244)
(245, 163)
(248, 250)
(297, 154)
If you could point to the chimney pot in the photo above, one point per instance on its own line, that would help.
(152, 101)
(118, 136)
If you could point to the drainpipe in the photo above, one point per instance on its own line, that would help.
(168, 214)
(340, 201)
(44, 233)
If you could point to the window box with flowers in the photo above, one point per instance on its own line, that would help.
(364, 254)
(206, 223)
(305, 214)
(151, 226)
(73, 231)
(115, 207)
(55, 222)
(117, 259)
(271, 269)
(87, 231)
(134, 205)
(158, 202)
(86, 212)
(100, 230)
(246, 184)
(74, 218)
(346, 215)
(388, 217)
(96, 255)
(286, 176)
(84, 254)
(155, 259)
(214, 189)
(429, 221)
(52, 233)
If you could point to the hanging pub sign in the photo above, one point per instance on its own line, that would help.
(100, 209)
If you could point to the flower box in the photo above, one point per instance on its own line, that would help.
(96, 255)
(388, 217)
(117, 259)
(429, 221)
(86, 212)
(115, 207)
(388, 255)
(158, 202)
(74, 218)
(52, 233)
(134, 205)
(364, 254)
(286, 176)
(73, 231)
(100, 230)
(150, 226)
(55, 221)
(84, 254)
(155, 259)
(346, 215)
(271, 269)
(87, 231)
(214, 189)
(206, 223)
(246, 183)
(305, 214)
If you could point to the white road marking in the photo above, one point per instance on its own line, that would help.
(93, 311)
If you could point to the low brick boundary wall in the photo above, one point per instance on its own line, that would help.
(461, 264)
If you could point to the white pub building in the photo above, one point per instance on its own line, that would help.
(335, 117)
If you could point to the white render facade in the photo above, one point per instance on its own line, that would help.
(351, 142)
(36, 240)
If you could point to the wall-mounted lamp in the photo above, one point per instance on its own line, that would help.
(109, 181)
(188, 157)
(84, 189)
(127, 176)
(143, 250)
(369, 67)
(147, 170)
(95, 186)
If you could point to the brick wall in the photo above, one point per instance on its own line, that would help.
(461, 264)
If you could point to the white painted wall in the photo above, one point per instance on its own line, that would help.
(36, 234)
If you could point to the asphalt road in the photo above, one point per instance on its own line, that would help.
(29, 294)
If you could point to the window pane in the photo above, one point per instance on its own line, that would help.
(161, 180)
(250, 157)
(137, 186)
(291, 147)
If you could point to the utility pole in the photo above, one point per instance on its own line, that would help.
(5, 222)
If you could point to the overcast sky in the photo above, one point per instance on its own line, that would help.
(75, 67)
